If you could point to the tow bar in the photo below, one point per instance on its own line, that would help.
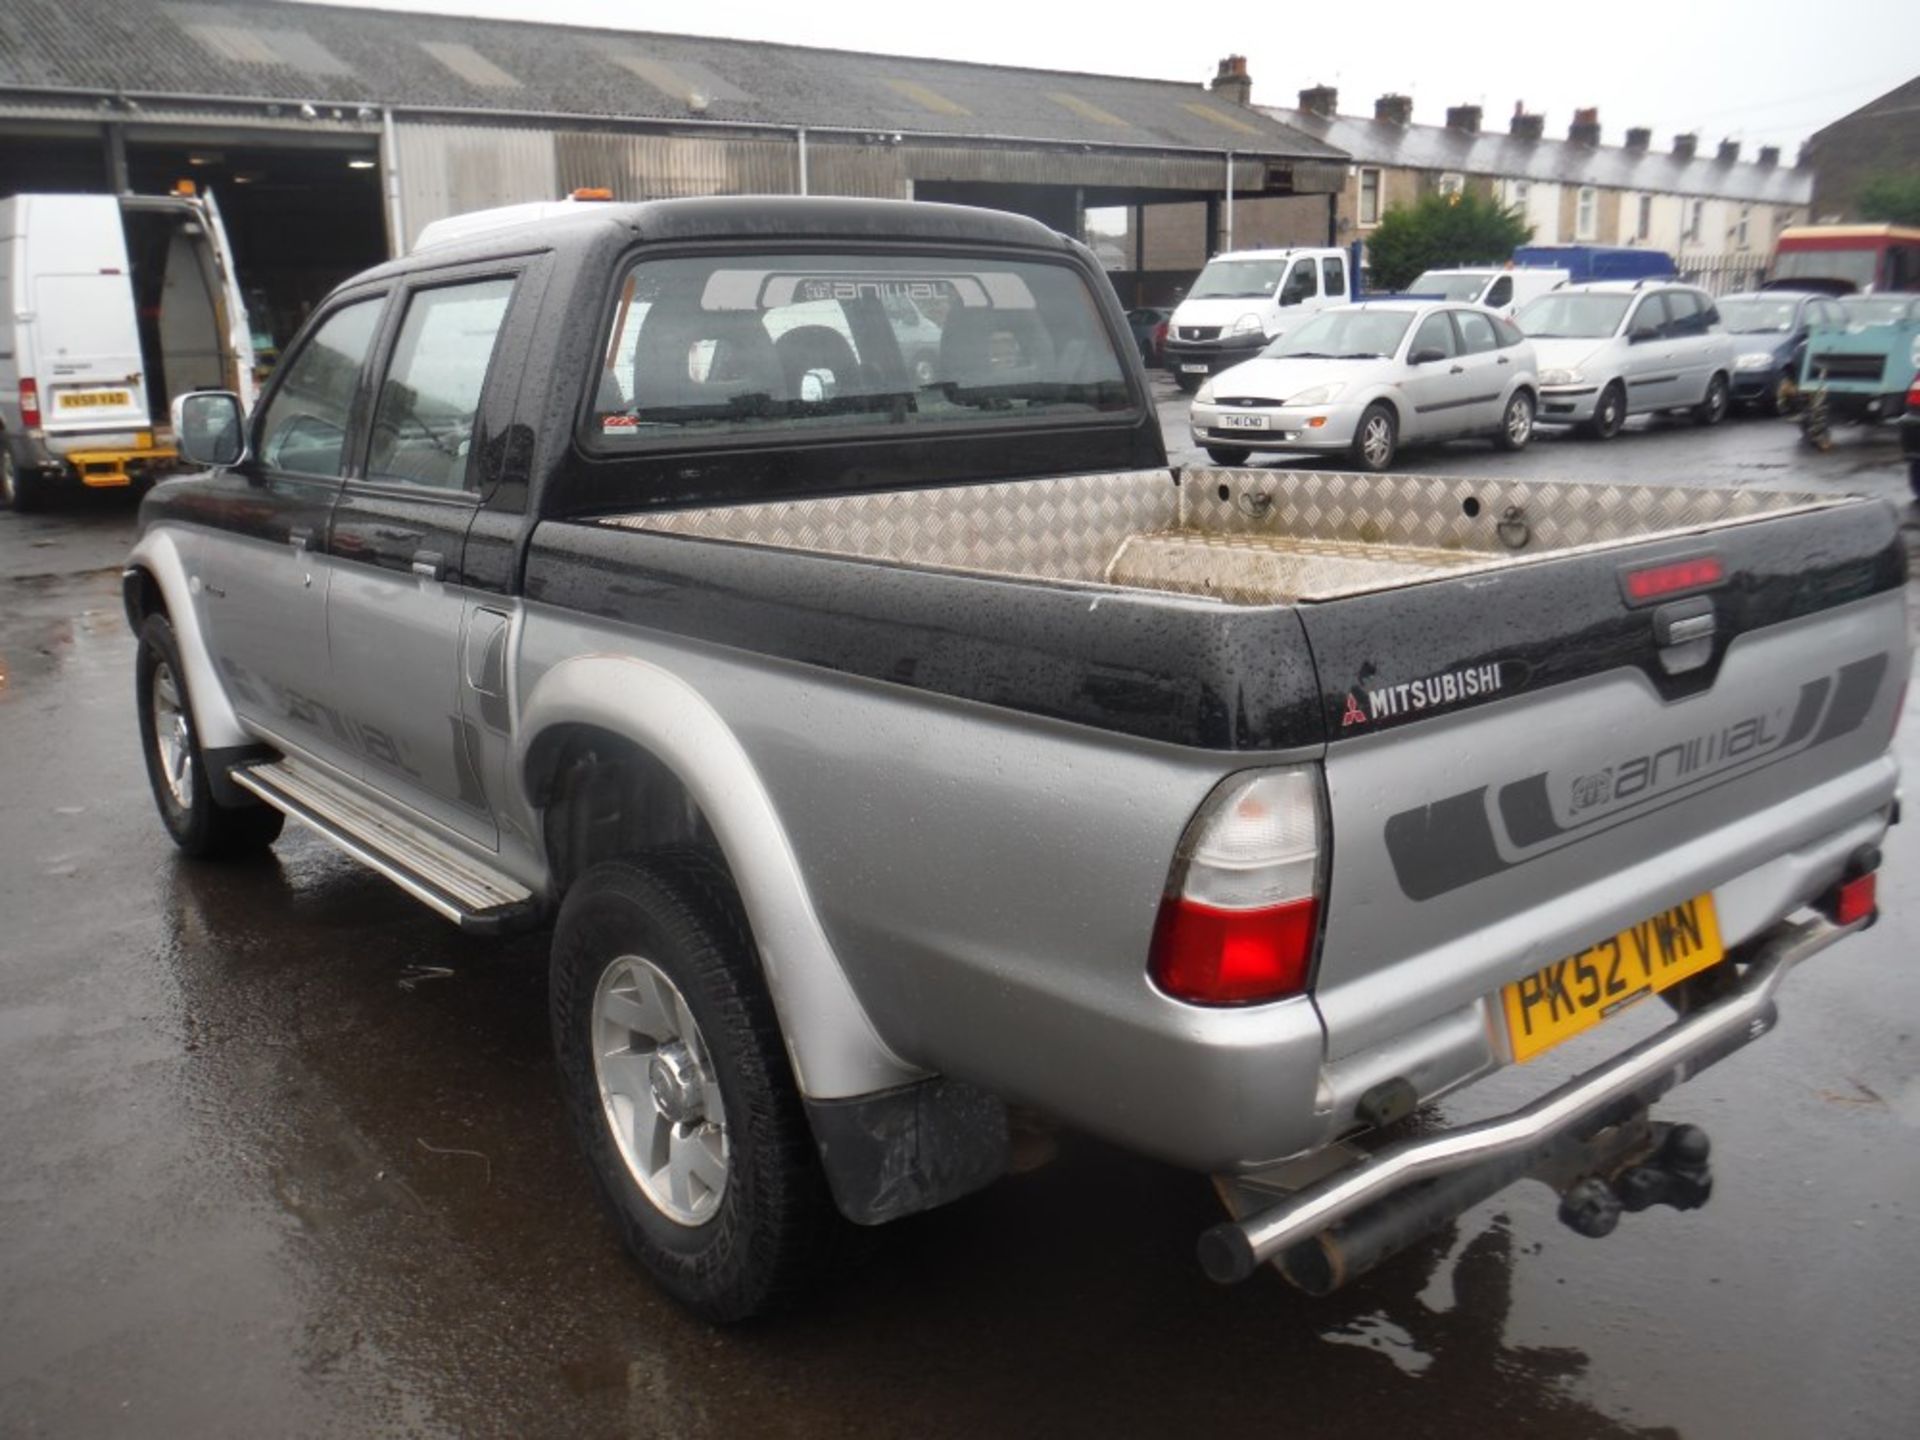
(1591, 1128)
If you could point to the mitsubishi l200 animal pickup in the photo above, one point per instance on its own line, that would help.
(886, 753)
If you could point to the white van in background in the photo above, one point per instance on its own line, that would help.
(1244, 300)
(1502, 289)
(110, 305)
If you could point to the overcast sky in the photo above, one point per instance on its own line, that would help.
(1766, 72)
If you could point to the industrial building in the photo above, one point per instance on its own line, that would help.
(331, 136)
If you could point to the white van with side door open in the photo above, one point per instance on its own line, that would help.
(110, 305)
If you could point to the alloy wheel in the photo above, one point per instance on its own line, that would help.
(172, 737)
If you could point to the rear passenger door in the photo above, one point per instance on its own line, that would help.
(395, 614)
(1488, 368)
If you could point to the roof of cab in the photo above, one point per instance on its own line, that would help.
(771, 218)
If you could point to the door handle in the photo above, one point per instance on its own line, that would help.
(429, 564)
(1457, 370)
(1502, 361)
(301, 537)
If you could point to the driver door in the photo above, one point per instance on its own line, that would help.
(397, 545)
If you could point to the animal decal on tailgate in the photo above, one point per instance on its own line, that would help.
(1454, 842)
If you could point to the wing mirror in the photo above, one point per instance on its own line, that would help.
(1426, 356)
(209, 428)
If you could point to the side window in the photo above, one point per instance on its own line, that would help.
(1476, 331)
(1500, 294)
(304, 430)
(1300, 283)
(1649, 320)
(1689, 316)
(1435, 333)
(423, 423)
(1509, 333)
(1333, 274)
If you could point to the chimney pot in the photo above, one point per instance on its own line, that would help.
(1524, 126)
(1585, 129)
(1231, 82)
(1464, 117)
(1769, 155)
(1395, 109)
(1729, 151)
(1639, 138)
(1685, 147)
(1321, 100)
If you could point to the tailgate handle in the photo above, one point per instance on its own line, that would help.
(1685, 631)
(1693, 627)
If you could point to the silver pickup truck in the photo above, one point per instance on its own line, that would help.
(889, 749)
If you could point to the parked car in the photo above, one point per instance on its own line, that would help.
(1149, 326)
(1858, 371)
(1769, 330)
(109, 306)
(1247, 299)
(1368, 379)
(1616, 349)
(1251, 815)
(1502, 288)
(1910, 436)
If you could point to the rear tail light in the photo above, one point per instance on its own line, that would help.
(1913, 395)
(1854, 900)
(30, 404)
(1241, 915)
(1699, 572)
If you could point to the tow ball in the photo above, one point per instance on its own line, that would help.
(1675, 1174)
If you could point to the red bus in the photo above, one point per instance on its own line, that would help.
(1856, 257)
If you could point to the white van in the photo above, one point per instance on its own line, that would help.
(1246, 299)
(1502, 289)
(110, 305)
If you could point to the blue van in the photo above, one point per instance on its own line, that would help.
(1587, 263)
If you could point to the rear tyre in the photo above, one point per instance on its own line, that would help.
(176, 767)
(1609, 413)
(1712, 408)
(1783, 395)
(1227, 454)
(1188, 383)
(1516, 422)
(1913, 478)
(1376, 439)
(20, 489)
(676, 1080)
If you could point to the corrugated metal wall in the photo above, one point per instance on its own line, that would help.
(449, 169)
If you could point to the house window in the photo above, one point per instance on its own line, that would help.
(1452, 182)
(1517, 195)
(1645, 227)
(1586, 213)
(1695, 213)
(1740, 235)
(1369, 195)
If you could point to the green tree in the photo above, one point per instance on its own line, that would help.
(1892, 198)
(1461, 229)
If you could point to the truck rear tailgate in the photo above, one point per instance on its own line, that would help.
(1519, 768)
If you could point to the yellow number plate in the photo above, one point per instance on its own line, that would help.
(1577, 993)
(90, 399)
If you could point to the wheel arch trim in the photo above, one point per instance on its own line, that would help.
(835, 1049)
(157, 558)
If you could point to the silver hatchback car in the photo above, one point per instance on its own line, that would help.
(1369, 378)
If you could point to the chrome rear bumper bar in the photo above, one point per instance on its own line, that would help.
(1234, 1249)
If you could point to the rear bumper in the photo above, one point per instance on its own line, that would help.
(1233, 1250)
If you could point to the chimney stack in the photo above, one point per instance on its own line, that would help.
(1585, 129)
(1729, 151)
(1464, 117)
(1639, 138)
(1804, 158)
(1769, 155)
(1394, 109)
(1524, 126)
(1232, 82)
(1321, 100)
(1685, 146)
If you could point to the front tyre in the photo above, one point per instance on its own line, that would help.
(1227, 454)
(1713, 407)
(1190, 384)
(677, 1084)
(1376, 439)
(176, 766)
(1516, 423)
(1609, 413)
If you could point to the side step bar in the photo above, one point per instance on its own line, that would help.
(1232, 1250)
(474, 896)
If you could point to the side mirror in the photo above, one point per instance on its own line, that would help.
(209, 427)
(1426, 356)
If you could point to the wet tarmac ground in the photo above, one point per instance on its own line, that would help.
(282, 1154)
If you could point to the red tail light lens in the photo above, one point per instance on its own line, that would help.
(1913, 395)
(1659, 581)
(1233, 957)
(1855, 900)
(1241, 917)
(30, 403)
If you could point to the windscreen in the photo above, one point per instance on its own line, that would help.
(1238, 279)
(1565, 317)
(1344, 335)
(1448, 287)
(1863, 310)
(1758, 316)
(782, 343)
(1855, 266)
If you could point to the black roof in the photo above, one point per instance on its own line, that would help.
(267, 49)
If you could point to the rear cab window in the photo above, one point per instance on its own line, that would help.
(780, 346)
